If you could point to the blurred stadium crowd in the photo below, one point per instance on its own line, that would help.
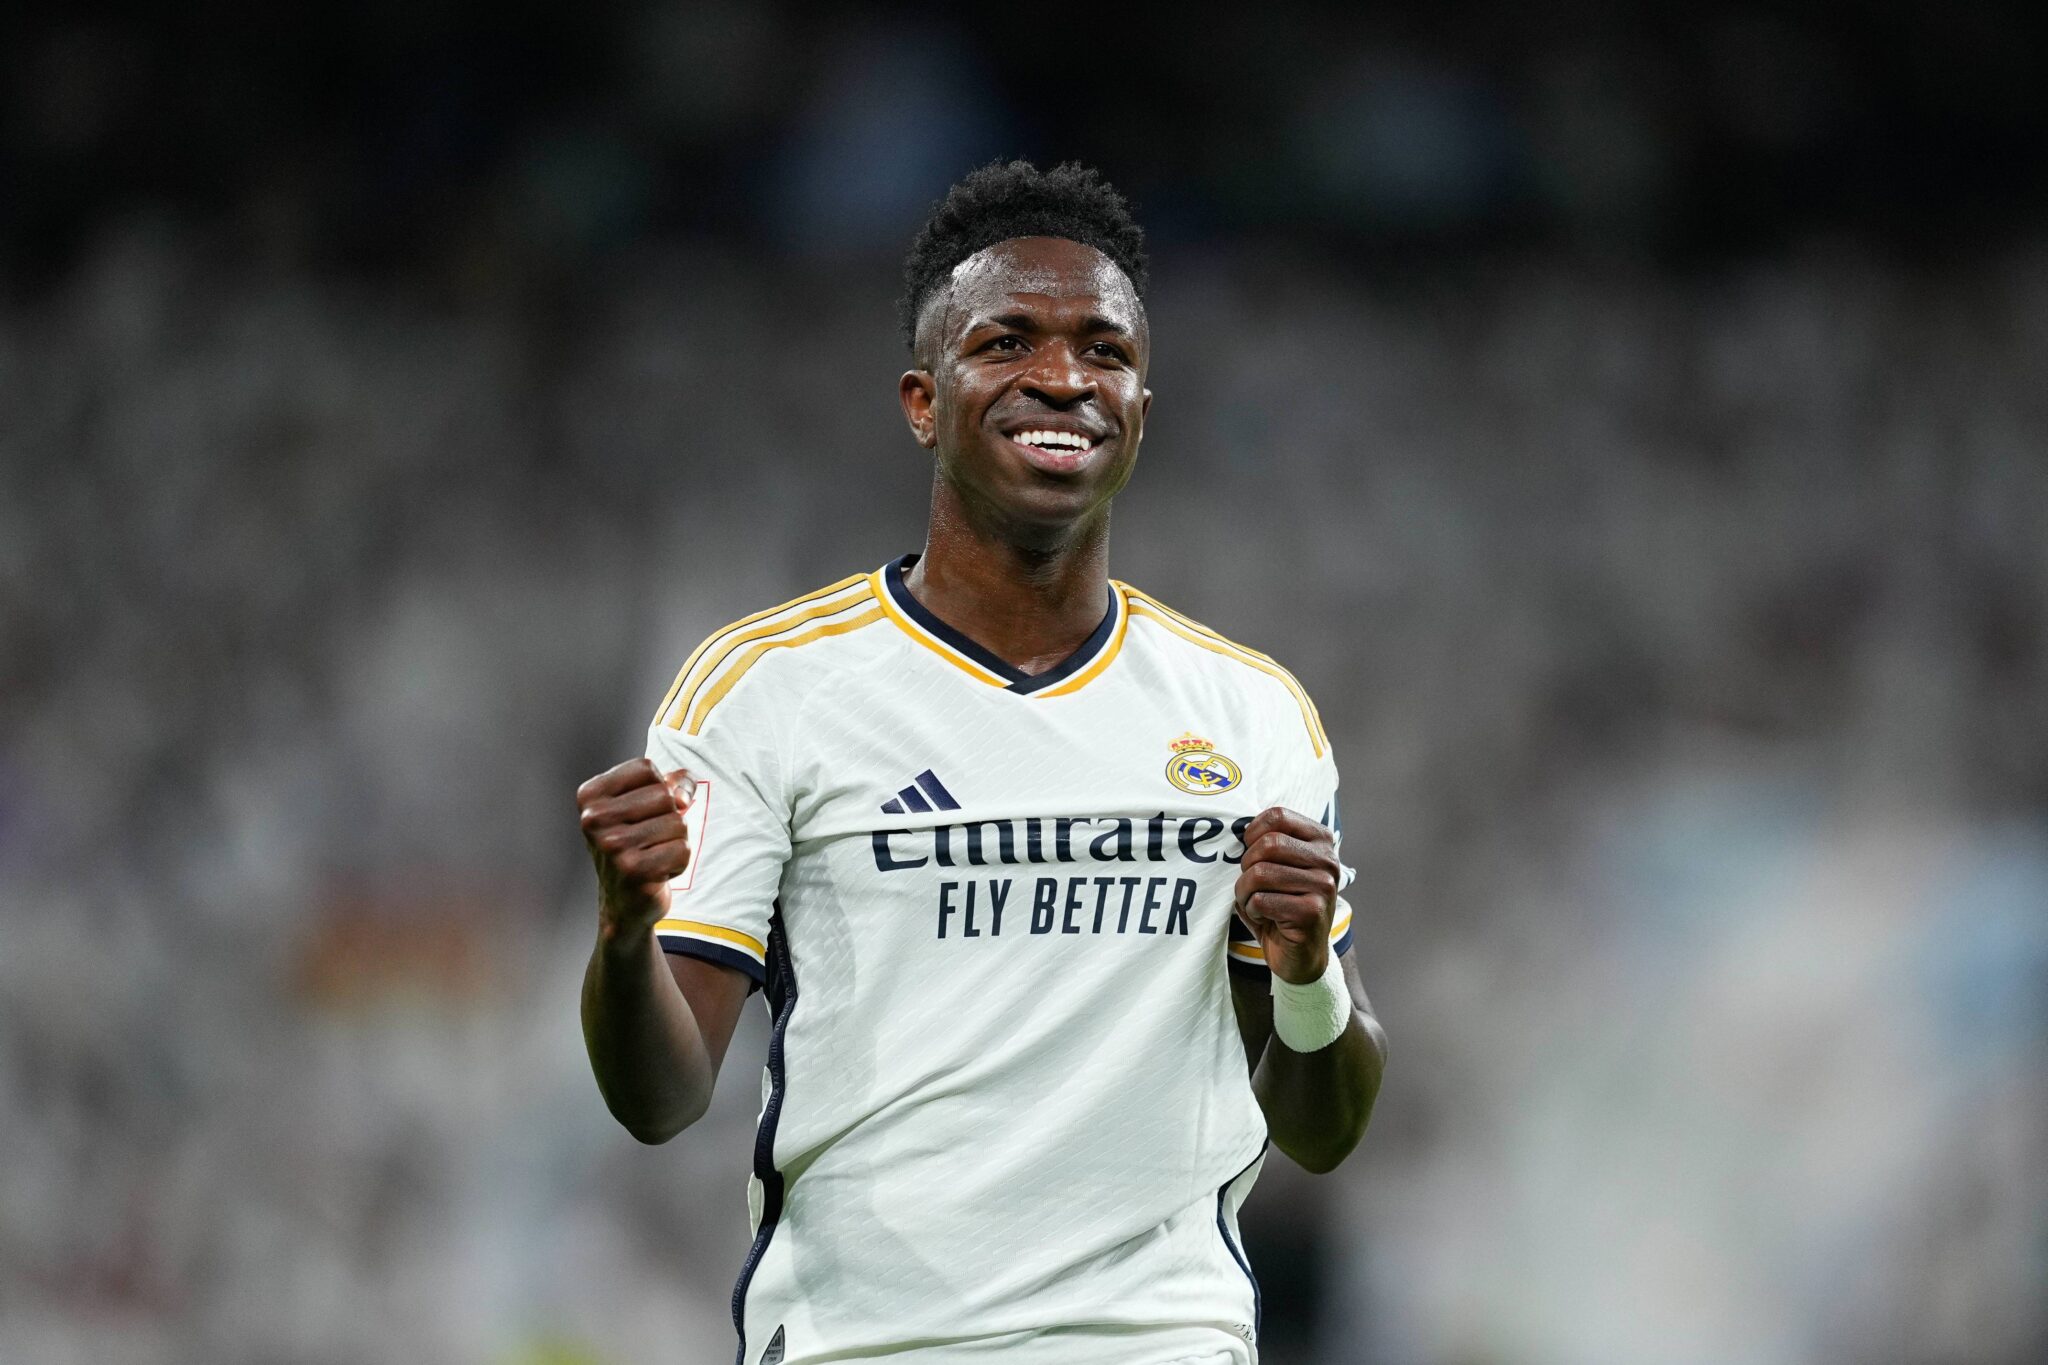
(1680, 617)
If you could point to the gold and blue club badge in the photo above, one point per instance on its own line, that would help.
(1197, 769)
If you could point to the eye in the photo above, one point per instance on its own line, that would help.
(1109, 350)
(1009, 343)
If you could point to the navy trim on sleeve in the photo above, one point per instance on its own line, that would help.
(722, 954)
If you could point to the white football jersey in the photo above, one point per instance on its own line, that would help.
(1006, 1113)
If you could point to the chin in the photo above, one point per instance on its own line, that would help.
(1031, 506)
(1049, 520)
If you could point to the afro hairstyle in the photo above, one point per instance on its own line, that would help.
(1016, 199)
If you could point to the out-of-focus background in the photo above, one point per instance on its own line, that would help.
(1632, 427)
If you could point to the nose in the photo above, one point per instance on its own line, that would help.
(1058, 378)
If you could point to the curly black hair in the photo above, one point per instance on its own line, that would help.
(1016, 199)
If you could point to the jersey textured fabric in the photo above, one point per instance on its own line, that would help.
(1006, 1109)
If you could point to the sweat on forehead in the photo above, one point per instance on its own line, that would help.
(1051, 266)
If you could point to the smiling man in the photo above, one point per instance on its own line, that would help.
(1040, 876)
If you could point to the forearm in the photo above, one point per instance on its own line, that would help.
(1317, 1104)
(649, 1055)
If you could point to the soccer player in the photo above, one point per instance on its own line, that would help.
(1039, 875)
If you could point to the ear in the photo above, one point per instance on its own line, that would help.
(918, 391)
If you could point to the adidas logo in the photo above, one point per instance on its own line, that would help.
(773, 1355)
(927, 793)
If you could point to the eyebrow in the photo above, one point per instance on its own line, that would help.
(1024, 322)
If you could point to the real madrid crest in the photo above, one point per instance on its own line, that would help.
(1196, 767)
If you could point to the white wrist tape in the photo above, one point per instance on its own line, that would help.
(1310, 1018)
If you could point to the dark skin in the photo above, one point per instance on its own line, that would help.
(1036, 333)
(1032, 334)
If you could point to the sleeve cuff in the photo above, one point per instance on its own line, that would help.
(715, 943)
(1245, 954)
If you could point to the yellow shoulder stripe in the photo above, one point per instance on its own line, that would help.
(733, 641)
(699, 929)
(699, 706)
(1197, 634)
(1300, 692)
(724, 633)
(1250, 655)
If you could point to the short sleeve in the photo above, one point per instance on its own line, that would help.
(738, 822)
(1244, 951)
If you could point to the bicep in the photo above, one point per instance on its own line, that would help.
(715, 995)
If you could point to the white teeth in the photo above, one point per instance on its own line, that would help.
(1065, 439)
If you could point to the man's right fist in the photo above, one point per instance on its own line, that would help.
(632, 820)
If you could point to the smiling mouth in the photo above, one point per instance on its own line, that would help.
(1041, 439)
(1055, 451)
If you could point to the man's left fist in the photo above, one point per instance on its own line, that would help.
(1287, 891)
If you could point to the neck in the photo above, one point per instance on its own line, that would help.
(1032, 601)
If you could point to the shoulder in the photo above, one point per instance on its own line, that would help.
(1239, 666)
(766, 651)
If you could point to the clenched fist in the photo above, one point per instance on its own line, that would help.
(632, 820)
(1287, 891)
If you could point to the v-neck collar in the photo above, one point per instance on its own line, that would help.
(1069, 675)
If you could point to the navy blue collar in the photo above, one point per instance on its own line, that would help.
(1014, 679)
